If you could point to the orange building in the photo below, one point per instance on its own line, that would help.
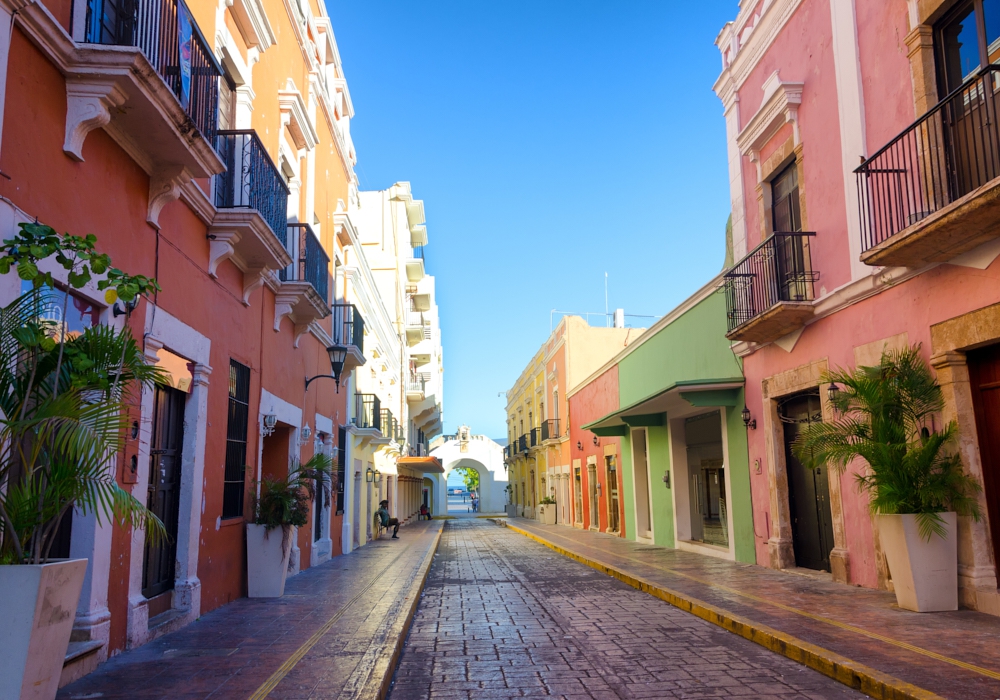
(206, 145)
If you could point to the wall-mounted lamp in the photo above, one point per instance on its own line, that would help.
(579, 445)
(749, 421)
(338, 354)
(124, 308)
(369, 475)
(832, 392)
(597, 440)
(306, 433)
(270, 420)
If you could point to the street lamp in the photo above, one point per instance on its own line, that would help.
(832, 392)
(748, 420)
(338, 354)
(369, 475)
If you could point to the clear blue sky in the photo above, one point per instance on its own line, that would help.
(551, 141)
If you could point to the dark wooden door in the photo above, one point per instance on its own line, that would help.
(808, 489)
(164, 488)
(984, 373)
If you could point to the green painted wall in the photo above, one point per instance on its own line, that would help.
(662, 497)
(694, 346)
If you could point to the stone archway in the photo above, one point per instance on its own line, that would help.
(472, 452)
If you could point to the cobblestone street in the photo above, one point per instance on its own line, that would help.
(503, 616)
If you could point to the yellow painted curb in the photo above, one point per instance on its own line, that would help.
(851, 673)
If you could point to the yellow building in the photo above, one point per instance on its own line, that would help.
(526, 459)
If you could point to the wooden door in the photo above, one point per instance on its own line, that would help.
(808, 489)
(984, 373)
(163, 494)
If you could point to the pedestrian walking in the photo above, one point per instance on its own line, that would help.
(387, 522)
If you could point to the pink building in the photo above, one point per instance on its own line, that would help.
(836, 262)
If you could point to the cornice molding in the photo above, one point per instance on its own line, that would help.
(251, 19)
(748, 53)
(779, 106)
(295, 116)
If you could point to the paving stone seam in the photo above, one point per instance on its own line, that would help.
(290, 663)
(378, 684)
(851, 673)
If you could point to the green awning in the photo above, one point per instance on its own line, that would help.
(679, 396)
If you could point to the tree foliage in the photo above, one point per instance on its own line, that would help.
(885, 417)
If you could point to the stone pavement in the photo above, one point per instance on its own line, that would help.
(336, 633)
(502, 617)
(951, 655)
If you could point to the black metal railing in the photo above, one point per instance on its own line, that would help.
(388, 423)
(522, 443)
(536, 435)
(418, 450)
(777, 270)
(947, 153)
(550, 429)
(417, 383)
(348, 326)
(367, 411)
(157, 28)
(506, 453)
(310, 263)
(251, 180)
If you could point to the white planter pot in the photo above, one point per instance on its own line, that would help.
(547, 514)
(511, 510)
(924, 573)
(267, 561)
(38, 607)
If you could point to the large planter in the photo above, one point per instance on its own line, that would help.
(511, 510)
(924, 573)
(37, 606)
(547, 513)
(267, 560)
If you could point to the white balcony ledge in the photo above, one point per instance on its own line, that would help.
(302, 304)
(244, 238)
(414, 269)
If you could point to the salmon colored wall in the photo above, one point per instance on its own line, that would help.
(885, 69)
(595, 400)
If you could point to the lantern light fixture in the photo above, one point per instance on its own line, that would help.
(749, 421)
(597, 440)
(369, 475)
(579, 445)
(270, 421)
(338, 355)
(306, 433)
(832, 392)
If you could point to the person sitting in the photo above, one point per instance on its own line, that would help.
(425, 513)
(387, 522)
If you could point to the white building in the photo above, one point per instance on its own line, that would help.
(468, 451)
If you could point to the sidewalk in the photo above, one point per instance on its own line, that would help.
(336, 633)
(855, 635)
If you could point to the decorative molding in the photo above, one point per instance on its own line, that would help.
(198, 201)
(164, 187)
(251, 19)
(284, 303)
(747, 48)
(253, 279)
(88, 106)
(295, 116)
(222, 247)
(779, 106)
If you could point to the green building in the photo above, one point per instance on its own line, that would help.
(685, 472)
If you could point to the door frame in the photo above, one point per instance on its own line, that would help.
(650, 538)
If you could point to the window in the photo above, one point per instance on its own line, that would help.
(81, 314)
(785, 216)
(555, 405)
(233, 488)
(967, 38)
(341, 467)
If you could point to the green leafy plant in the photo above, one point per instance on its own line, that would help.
(470, 477)
(548, 501)
(64, 397)
(284, 502)
(885, 417)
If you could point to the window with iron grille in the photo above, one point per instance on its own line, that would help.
(233, 488)
(341, 467)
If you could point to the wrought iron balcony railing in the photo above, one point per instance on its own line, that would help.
(417, 384)
(388, 424)
(251, 180)
(550, 429)
(348, 326)
(536, 434)
(165, 31)
(522, 443)
(310, 262)
(950, 151)
(367, 411)
(778, 270)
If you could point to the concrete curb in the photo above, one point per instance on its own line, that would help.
(847, 671)
(384, 668)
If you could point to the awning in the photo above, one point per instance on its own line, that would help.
(679, 399)
(427, 465)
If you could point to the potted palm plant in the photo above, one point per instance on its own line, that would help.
(62, 424)
(914, 480)
(280, 503)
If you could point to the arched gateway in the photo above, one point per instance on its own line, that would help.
(465, 450)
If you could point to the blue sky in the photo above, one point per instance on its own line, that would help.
(551, 142)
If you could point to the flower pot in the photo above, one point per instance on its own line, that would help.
(924, 573)
(37, 607)
(547, 513)
(511, 510)
(267, 560)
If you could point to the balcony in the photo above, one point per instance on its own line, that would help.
(550, 429)
(367, 413)
(303, 294)
(522, 444)
(933, 193)
(388, 425)
(349, 331)
(769, 293)
(252, 200)
(535, 437)
(416, 328)
(415, 265)
(416, 387)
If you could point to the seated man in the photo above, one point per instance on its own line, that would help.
(425, 513)
(387, 522)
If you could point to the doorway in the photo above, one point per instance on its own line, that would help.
(163, 494)
(984, 373)
(577, 496)
(592, 489)
(611, 471)
(643, 508)
(808, 489)
(707, 479)
(357, 503)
